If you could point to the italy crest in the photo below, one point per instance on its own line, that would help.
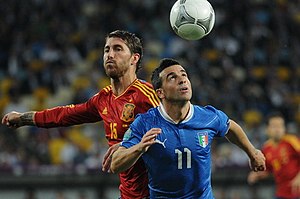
(203, 139)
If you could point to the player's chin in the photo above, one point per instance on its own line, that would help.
(185, 95)
(112, 73)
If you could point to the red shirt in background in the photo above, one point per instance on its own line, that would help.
(283, 160)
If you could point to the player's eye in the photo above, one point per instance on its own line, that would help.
(118, 49)
(172, 77)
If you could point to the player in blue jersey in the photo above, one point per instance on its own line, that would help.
(174, 139)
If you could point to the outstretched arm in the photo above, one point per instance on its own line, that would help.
(15, 119)
(237, 136)
(124, 158)
(57, 116)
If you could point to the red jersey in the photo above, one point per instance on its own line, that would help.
(283, 160)
(117, 113)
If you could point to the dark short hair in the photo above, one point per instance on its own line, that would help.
(274, 114)
(164, 63)
(132, 41)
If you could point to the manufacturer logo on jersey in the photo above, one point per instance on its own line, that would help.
(203, 139)
(128, 112)
(104, 112)
(161, 142)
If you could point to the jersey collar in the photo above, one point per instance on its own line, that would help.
(165, 115)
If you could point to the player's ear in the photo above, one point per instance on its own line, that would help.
(135, 58)
(160, 93)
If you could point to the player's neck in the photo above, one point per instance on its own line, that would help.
(277, 140)
(120, 84)
(177, 111)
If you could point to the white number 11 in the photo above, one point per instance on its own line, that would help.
(188, 158)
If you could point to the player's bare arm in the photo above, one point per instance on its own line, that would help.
(237, 136)
(254, 177)
(107, 157)
(296, 184)
(15, 119)
(124, 158)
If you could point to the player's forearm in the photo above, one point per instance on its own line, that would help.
(254, 177)
(27, 118)
(237, 136)
(124, 158)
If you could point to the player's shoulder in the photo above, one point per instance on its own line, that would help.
(290, 137)
(149, 115)
(151, 112)
(142, 86)
(144, 82)
(102, 93)
(105, 91)
(287, 139)
(292, 140)
(208, 109)
(269, 143)
(144, 92)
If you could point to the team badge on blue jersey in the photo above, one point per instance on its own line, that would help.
(127, 135)
(203, 139)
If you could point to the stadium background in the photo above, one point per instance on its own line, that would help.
(51, 54)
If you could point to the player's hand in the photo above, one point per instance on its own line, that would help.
(257, 161)
(149, 139)
(107, 157)
(252, 178)
(12, 119)
(296, 185)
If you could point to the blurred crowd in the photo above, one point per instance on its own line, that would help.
(51, 55)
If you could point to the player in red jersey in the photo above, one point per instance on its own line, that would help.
(116, 105)
(282, 152)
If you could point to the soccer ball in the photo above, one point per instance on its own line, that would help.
(192, 19)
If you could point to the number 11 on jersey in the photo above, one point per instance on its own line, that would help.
(188, 158)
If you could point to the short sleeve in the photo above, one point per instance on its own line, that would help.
(222, 126)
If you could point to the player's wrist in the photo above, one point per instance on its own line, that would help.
(252, 153)
(140, 149)
(27, 118)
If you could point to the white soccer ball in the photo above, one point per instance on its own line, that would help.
(192, 19)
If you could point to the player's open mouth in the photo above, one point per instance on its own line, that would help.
(184, 89)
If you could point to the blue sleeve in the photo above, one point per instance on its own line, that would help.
(222, 125)
(134, 133)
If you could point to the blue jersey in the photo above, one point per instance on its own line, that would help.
(179, 163)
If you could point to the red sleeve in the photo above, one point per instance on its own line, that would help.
(69, 115)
